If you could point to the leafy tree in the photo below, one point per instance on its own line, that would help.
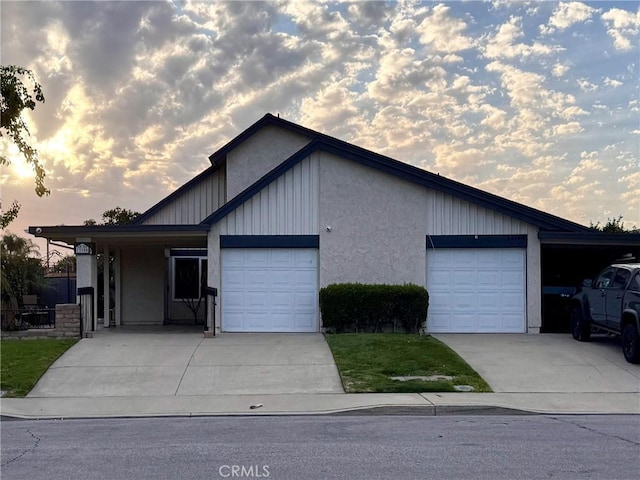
(16, 97)
(21, 271)
(613, 225)
(115, 216)
(10, 215)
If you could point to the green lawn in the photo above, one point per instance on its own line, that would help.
(23, 362)
(367, 360)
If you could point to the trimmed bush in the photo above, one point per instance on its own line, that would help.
(357, 307)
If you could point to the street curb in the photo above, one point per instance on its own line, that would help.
(435, 411)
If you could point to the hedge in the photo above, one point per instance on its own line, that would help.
(356, 307)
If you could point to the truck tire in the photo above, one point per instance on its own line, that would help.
(631, 343)
(580, 328)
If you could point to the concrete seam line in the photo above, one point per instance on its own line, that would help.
(187, 366)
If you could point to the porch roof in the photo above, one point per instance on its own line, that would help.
(592, 237)
(127, 235)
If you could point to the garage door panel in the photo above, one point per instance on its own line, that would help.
(512, 323)
(488, 301)
(512, 278)
(489, 278)
(255, 277)
(476, 290)
(234, 320)
(269, 290)
(281, 301)
(234, 300)
(255, 256)
(305, 322)
(306, 278)
(257, 321)
(282, 258)
(308, 258)
(256, 300)
(280, 278)
(305, 301)
(488, 323)
(463, 278)
(232, 277)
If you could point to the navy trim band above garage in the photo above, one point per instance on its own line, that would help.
(269, 241)
(476, 241)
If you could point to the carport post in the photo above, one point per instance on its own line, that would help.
(106, 274)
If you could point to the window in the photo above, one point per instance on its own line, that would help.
(635, 283)
(604, 280)
(620, 280)
(189, 276)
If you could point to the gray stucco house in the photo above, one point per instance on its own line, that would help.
(283, 211)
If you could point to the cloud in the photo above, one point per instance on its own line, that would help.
(567, 14)
(623, 26)
(442, 32)
(140, 93)
(502, 44)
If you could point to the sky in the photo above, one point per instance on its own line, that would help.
(535, 101)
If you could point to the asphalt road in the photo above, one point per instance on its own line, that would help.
(324, 447)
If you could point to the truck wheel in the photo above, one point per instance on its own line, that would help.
(580, 328)
(631, 344)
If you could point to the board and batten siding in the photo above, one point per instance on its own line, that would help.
(448, 215)
(287, 206)
(194, 204)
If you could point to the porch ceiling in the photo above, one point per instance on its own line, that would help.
(127, 235)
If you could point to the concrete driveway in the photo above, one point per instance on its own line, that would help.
(547, 363)
(150, 361)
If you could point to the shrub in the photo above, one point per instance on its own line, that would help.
(356, 307)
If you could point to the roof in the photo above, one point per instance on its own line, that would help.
(591, 237)
(187, 235)
(322, 142)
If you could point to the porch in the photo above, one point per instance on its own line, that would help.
(138, 275)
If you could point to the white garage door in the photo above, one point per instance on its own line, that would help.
(269, 290)
(476, 290)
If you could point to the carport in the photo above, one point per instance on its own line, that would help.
(135, 284)
(569, 258)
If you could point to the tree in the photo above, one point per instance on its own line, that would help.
(614, 225)
(16, 97)
(21, 271)
(115, 216)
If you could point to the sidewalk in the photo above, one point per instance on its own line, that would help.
(315, 404)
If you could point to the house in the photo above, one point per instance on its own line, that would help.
(284, 210)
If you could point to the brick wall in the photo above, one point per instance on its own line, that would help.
(67, 325)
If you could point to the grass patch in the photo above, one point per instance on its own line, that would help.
(23, 362)
(367, 360)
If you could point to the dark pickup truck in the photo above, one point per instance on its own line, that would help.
(610, 304)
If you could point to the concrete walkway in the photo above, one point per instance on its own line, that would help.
(142, 362)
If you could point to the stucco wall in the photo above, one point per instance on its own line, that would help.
(258, 155)
(143, 283)
(378, 225)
